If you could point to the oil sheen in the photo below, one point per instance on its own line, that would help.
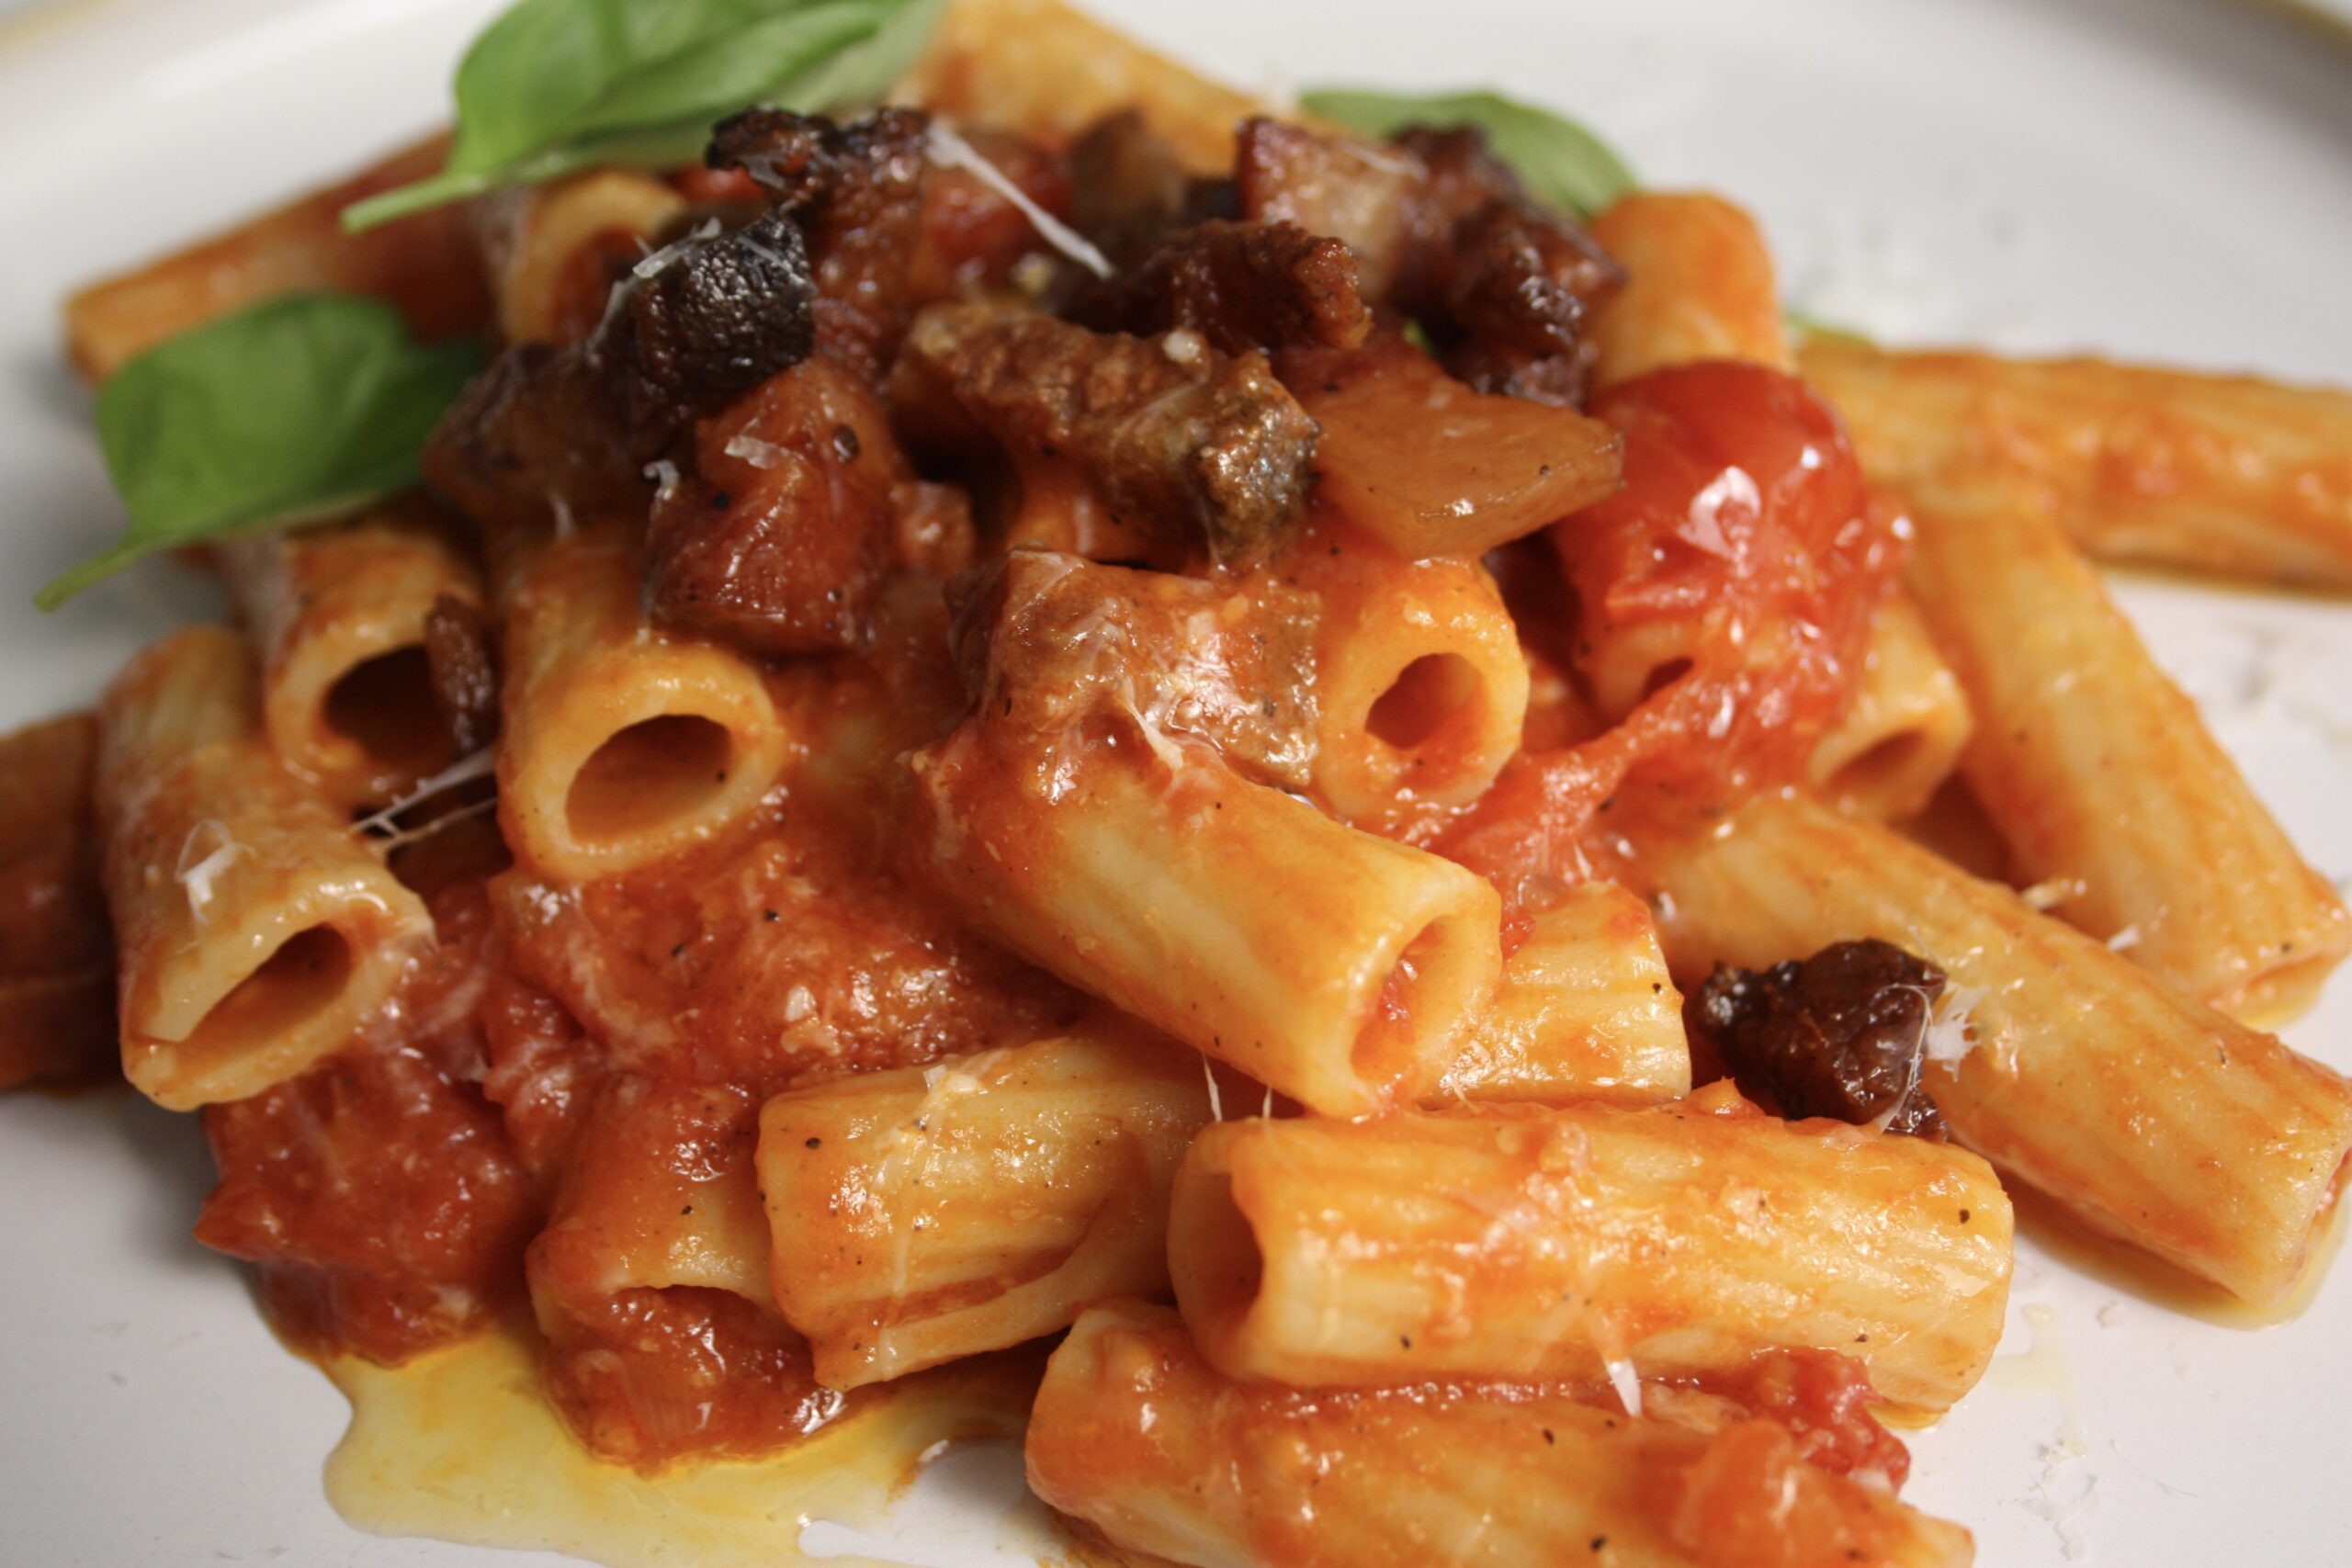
(460, 1445)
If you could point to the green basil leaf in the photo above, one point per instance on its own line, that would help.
(557, 85)
(1803, 323)
(1562, 163)
(301, 408)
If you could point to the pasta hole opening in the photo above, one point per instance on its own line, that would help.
(1228, 1267)
(649, 776)
(386, 707)
(1426, 697)
(1660, 677)
(1875, 773)
(1388, 1048)
(305, 977)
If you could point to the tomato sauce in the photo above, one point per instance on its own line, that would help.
(377, 1191)
(1745, 542)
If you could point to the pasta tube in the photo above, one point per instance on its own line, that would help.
(1420, 686)
(1585, 1011)
(2223, 474)
(2141, 1113)
(650, 1284)
(621, 743)
(255, 930)
(1699, 285)
(1146, 880)
(1048, 70)
(550, 248)
(338, 615)
(1902, 732)
(1577, 1243)
(427, 264)
(1135, 1434)
(934, 1213)
(2101, 776)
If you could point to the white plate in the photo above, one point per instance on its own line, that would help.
(2166, 178)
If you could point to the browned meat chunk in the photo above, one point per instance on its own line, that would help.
(546, 433)
(779, 540)
(719, 318)
(379, 1195)
(1048, 641)
(1443, 232)
(1361, 194)
(889, 230)
(536, 437)
(458, 652)
(1206, 451)
(1503, 283)
(1842, 1034)
(973, 236)
(857, 190)
(1128, 186)
(1241, 286)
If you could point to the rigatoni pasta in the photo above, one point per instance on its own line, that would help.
(1136, 1435)
(940, 1211)
(56, 954)
(1420, 684)
(2138, 1110)
(1072, 692)
(552, 249)
(623, 742)
(1699, 285)
(1144, 883)
(339, 616)
(1585, 1011)
(255, 930)
(2223, 474)
(428, 265)
(1905, 729)
(2193, 880)
(1590, 1243)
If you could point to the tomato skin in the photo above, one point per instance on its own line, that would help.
(1738, 481)
(1723, 599)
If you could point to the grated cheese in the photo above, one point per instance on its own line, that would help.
(472, 765)
(200, 877)
(2048, 894)
(749, 448)
(1628, 1384)
(1950, 1034)
(950, 151)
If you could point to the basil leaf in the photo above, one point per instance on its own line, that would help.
(557, 85)
(1803, 323)
(301, 408)
(1562, 163)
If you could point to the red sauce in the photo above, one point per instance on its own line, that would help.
(1744, 521)
(648, 1372)
(647, 1377)
(1823, 1399)
(771, 958)
(377, 1191)
(1740, 1506)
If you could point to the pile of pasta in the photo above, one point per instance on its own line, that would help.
(1242, 932)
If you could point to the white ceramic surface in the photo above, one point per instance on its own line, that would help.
(2157, 177)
